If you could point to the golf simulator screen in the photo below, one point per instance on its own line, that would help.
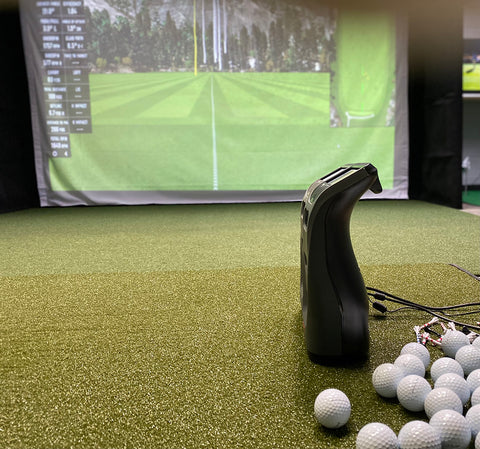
(160, 101)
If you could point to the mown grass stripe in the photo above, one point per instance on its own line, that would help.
(102, 85)
(301, 82)
(179, 105)
(282, 102)
(244, 103)
(119, 95)
(115, 89)
(312, 97)
(312, 91)
(136, 103)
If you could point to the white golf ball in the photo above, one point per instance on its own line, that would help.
(476, 342)
(419, 435)
(410, 364)
(442, 399)
(477, 441)
(332, 408)
(475, 399)
(452, 341)
(445, 365)
(385, 379)
(473, 380)
(455, 383)
(419, 350)
(376, 436)
(453, 428)
(412, 391)
(473, 418)
(469, 358)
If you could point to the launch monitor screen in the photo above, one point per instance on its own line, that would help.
(208, 100)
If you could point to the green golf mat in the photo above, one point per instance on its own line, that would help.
(180, 326)
(471, 197)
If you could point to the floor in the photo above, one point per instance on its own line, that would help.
(471, 209)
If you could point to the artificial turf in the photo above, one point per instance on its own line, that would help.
(471, 197)
(180, 326)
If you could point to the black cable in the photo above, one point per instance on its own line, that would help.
(382, 308)
(380, 295)
(447, 315)
(462, 313)
(399, 309)
(388, 296)
(384, 296)
(474, 276)
(409, 304)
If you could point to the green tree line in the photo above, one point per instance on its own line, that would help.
(146, 44)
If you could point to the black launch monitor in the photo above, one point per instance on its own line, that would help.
(332, 291)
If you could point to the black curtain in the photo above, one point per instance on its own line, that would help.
(435, 102)
(18, 189)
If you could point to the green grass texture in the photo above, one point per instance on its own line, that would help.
(225, 131)
(180, 326)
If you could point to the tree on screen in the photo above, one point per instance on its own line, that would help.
(242, 35)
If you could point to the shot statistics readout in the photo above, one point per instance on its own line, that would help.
(64, 61)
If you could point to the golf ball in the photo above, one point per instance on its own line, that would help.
(452, 341)
(455, 383)
(412, 391)
(410, 364)
(473, 418)
(476, 342)
(419, 435)
(419, 350)
(332, 408)
(469, 358)
(442, 399)
(445, 365)
(453, 429)
(376, 436)
(385, 379)
(475, 399)
(473, 380)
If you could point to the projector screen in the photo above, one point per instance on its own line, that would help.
(161, 101)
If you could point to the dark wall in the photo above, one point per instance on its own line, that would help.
(435, 104)
(435, 107)
(17, 172)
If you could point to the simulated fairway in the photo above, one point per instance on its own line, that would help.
(225, 131)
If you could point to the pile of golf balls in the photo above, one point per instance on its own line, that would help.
(454, 378)
(449, 398)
